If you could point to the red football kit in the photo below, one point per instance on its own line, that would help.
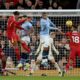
(74, 46)
(12, 26)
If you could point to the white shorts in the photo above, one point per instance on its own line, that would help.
(45, 39)
(26, 39)
(50, 57)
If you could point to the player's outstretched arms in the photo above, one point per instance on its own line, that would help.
(60, 32)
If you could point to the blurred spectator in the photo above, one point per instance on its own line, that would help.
(62, 63)
(63, 51)
(55, 5)
(14, 1)
(78, 4)
(28, 4)
(39, 4)
(6, 5)
(3, 21)
(20, 4)
(12, 5)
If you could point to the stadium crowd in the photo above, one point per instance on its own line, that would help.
(39, 4)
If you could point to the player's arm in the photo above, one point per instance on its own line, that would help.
(19, 27)
(31, 28)
(17, 23)
(53, 25)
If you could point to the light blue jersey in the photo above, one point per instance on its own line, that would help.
(46, 26)
(26, 25)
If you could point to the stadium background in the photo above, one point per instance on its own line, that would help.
(58, 20)
(39, 4)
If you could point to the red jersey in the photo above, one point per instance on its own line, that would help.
(74, 38)
(12, 25)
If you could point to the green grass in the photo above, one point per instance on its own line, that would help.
(37, 78)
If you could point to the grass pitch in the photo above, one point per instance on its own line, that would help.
(51, 75)
(38, 78)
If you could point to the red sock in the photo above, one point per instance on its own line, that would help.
(17, 52)
(26, 47)
(3, 64)
(67, 67)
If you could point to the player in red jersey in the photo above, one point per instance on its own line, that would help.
(12, 26)
(74, 45)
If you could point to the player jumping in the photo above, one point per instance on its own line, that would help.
(25, 37)
(12, 26)
(74, 45)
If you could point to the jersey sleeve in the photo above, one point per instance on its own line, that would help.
(30, 25)
(51, 23)
(16, 22)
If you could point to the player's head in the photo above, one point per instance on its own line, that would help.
(52, 34)
(74, 28)
(16, 14)
(44, 15)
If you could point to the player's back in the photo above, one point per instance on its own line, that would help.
(10, 25)
(74, 38)
(26, 25)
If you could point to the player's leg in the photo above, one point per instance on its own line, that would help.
(24, 42)
(39, 58)
(45, 58)
(24, 54)
(52, 60)
(14, 40)
(78, 51)
(71, 60)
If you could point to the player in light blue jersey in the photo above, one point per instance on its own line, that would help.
(24, 61)
(29, 27)
(46, 26)
(46, 42)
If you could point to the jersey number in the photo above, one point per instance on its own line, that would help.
(75, 39)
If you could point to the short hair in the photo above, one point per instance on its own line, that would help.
(25, 16)
(75, 26)
(16, 13)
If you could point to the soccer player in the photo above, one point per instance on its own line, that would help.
(25, 37)
(45, 41)
(74, 45)
(12, 26)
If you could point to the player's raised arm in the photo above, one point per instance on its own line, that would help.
(13, 20)
(53, 26)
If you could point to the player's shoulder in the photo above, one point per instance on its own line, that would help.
(68, 33)
(11, 17)
(42, 21)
